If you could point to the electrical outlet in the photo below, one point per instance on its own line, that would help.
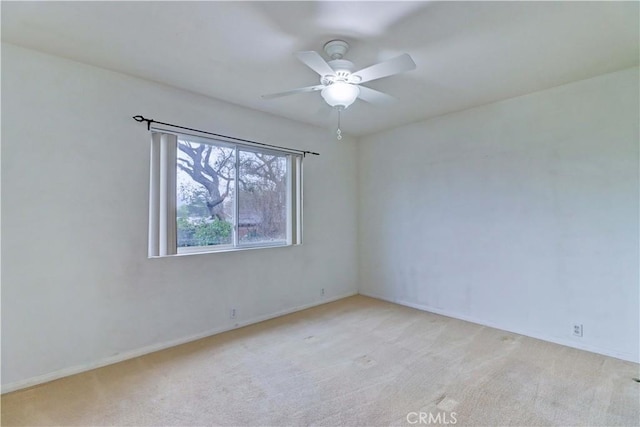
(233, 313)
(322, 291)
(577, 330)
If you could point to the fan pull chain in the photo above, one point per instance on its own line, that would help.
(339, 132)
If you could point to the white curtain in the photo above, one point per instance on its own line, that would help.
(162, 195)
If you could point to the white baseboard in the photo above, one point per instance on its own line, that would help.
(65, 372)
(593, 349)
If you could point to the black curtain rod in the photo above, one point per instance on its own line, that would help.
(141, 119)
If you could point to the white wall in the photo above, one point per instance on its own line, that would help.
(522, 214)
(77, 287)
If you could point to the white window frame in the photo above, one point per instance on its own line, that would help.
(162, 196)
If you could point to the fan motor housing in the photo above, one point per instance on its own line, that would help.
(341, 65)
(342, 68)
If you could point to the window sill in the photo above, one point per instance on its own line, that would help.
(202, 250)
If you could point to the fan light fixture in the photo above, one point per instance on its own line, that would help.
(339, 84)
(340, 94)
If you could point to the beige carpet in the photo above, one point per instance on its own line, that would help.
(357, 361)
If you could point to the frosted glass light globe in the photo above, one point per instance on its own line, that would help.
(340, 94)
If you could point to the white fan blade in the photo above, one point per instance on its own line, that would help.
(374, 97)
(294, 91)
(314, 61)
(396, 65)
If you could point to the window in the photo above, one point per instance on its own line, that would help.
(211, 195)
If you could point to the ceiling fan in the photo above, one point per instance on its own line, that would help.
(339, 84)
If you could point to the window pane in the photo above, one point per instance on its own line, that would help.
(262, 198)
(205, 194)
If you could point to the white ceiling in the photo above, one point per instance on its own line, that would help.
(467, 53)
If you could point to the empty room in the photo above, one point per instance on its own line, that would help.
(324, 213)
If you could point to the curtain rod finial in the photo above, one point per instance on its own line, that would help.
(140, 119)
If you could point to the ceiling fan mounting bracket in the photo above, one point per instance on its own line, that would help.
(336, 49)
